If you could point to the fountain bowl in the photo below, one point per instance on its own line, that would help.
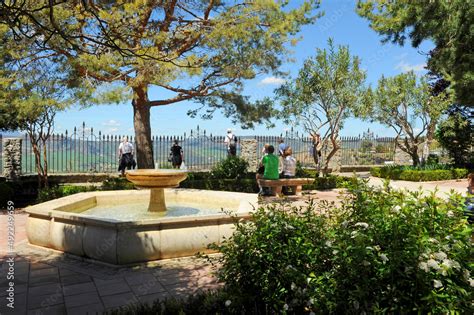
(156, 178)
(64, 224)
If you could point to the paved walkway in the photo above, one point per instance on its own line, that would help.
(50, 282)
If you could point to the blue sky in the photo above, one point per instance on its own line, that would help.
(339, 22)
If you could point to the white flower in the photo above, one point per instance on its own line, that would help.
(328, 243)
(471, 282)
(353, 234)
(365, 263)
(334, 252)
(466, 274)
(396, 209)
(433, 264)
(423, 266)
(286, 307)
(362, 225)
(450, 214)
(369, 248)
(228, 303)
(344, 224)
(437, 284)
(310, 301)
(312, 313)
(433, 240)
(440, 256)
(293, 286)
(356, 305)
(377, 247)
(384, 258)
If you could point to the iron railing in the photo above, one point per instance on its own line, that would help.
(84, 151)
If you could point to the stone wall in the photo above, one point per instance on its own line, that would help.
(12, 158)
(248, 151)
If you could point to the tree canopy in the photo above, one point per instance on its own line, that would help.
(448, 23)
(190, 50)
(408, 106)
(328, 89)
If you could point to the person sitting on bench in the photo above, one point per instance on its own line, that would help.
(289, 166)
(270, 163)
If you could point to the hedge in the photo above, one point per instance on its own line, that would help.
(419, 175)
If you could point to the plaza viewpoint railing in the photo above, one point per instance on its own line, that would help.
(84, 151)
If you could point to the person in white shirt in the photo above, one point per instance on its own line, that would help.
(126, 159)
(289, 167)
(231, 142)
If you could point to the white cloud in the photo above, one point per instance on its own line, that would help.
(406, 67)
(111, 123)
(112, 130)
(272, 81)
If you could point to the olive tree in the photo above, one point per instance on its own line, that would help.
(328, 89)
(408, 106)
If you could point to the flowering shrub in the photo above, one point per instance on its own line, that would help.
(379, 251)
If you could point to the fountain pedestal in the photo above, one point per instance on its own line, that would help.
(156, 181)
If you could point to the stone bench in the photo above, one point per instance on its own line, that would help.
(294, 183)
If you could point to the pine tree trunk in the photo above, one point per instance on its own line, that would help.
(141, 122)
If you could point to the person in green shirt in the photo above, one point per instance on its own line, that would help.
(270, 162)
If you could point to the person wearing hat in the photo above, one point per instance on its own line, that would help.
(231, 143)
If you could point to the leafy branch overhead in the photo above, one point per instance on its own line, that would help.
(448, 24)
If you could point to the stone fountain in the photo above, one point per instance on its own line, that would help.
(130, 226)
(156, 181)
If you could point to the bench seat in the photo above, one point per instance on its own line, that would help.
(277, 184)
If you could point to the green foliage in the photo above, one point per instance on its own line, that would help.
(452, 56)
(117, 183)
(55, 192)
(6, 194)
(401, 103)
(233, 167)
(201, 303)
(456, 135)
(329, 88)
(380, 251)
(428, 172)
(245, 185)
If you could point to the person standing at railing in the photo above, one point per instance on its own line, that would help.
(231, 142)
(176, 155)
(126, 159)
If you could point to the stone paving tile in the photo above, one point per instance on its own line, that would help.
(75, 279)
(79, 288)
(45, 300)
(147, 288)
(139, 278)
(36, 281)
(103, 282)
(18, 310)
(59, 309)
(44, 272)
(114, 288)
(86, 309)
(118, 300)
(66, 272)
(44, 289)
(151, 298)
(82, 299)
(19, 288)
(36, 266)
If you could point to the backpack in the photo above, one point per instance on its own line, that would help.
(233, 141)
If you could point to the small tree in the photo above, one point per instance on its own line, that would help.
(329, 88)
(456, 135)
(35, 94)
(403, 104)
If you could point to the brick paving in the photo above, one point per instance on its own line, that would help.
(51, 282)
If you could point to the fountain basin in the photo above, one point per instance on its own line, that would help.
(65, 224)
(156, 180)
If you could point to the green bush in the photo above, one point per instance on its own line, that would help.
(428, 172)
(117, 183)
(242, 185)
(6, 194)
(381, 251)
(233, 167)
(55, 192)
